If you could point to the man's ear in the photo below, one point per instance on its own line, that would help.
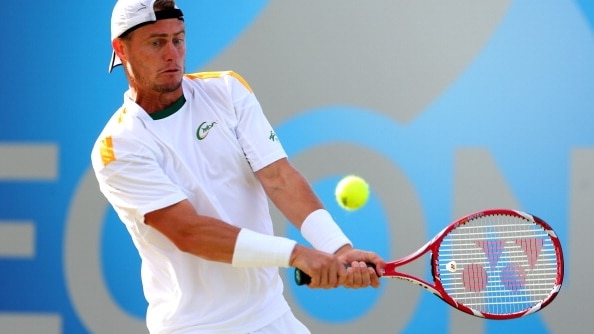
(118, 47)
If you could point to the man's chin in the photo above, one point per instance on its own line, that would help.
(168, 87)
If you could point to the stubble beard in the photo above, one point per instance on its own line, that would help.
(140, 81)
(167, 88)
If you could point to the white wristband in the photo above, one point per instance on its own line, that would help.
(323, 233)
(254, 249)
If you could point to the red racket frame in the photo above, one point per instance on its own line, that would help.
(438, 289)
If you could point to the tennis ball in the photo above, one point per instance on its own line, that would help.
(352, 192)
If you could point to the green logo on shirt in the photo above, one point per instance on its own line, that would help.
(204, 129)
(273, 136)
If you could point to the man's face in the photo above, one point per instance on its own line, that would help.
(155, 56)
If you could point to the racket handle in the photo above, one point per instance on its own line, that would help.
(301, 278)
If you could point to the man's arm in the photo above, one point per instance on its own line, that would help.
(290, 192)
(203, 236)
(293, 196)
(215, 240)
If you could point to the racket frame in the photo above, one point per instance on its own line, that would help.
(437, 288)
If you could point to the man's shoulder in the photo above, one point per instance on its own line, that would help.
(217, 76)
(123, 125)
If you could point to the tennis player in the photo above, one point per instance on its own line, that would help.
(188, 163)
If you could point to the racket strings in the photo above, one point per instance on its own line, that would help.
(498, 264)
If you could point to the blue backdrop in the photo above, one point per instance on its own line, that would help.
(529, 104)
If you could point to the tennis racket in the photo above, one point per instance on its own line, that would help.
(494, 264)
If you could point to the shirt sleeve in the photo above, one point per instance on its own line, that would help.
(131, 179)
(256, 135)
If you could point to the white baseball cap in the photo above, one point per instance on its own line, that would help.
(129, 15)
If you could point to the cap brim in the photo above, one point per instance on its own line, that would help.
(115, 61)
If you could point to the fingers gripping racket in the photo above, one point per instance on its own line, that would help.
(495, 264)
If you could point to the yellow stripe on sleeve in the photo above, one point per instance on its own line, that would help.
(242, 80)
(121, 113)
(210, 75)
(106, 150)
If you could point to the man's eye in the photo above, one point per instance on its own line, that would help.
(178, 41)
(156, 43)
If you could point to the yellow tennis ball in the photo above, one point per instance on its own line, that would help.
(352, 192)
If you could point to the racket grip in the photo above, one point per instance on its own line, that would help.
(301, 278)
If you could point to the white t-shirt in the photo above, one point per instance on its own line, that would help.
(206, 152)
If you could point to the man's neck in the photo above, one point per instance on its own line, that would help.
(154, 101)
